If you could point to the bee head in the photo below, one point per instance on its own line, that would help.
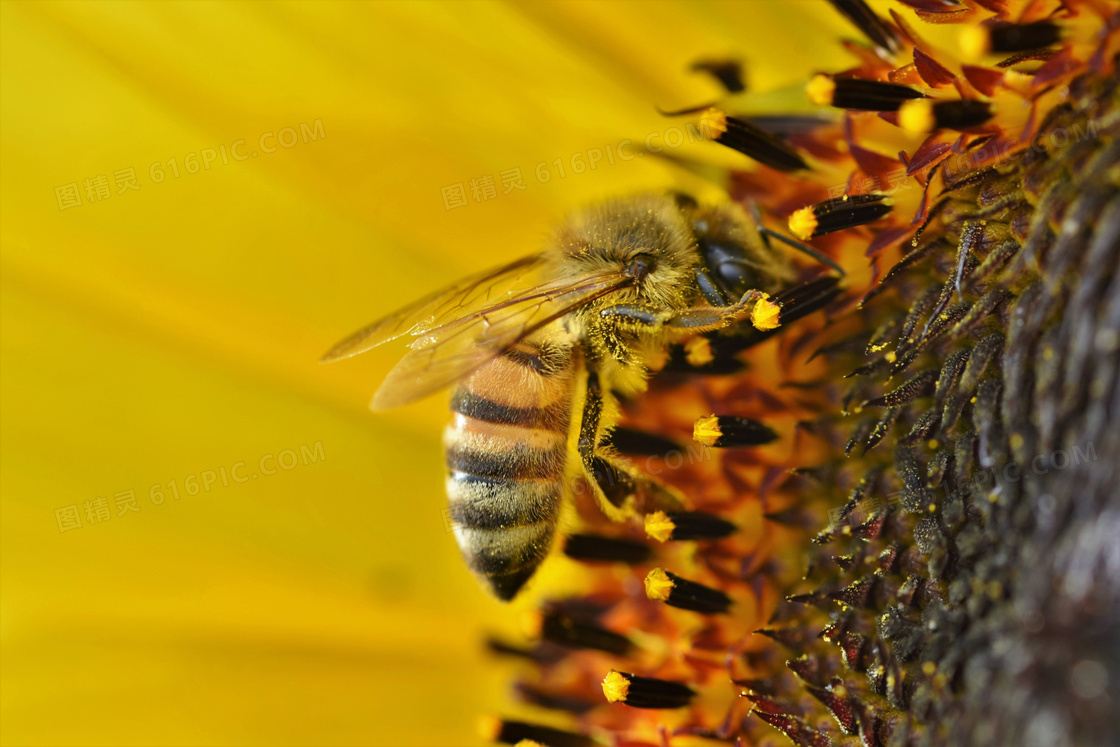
(640, 267)
(645, 238)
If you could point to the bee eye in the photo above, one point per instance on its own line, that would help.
(640, 266)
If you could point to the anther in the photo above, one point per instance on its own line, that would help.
(837, 214)
(645, 692)
(723, 431)
(687, 525)
(662, 586)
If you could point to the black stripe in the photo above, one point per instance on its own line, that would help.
(548, 360)
(521, 462)
(528, 360)
(518, 559)
(553, 418)
(504, 504)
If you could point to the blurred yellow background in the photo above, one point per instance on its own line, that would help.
(164, 304)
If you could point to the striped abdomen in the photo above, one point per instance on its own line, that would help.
(506, 449)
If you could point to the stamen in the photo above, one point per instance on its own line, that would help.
(729, 73)
(645, 692)
(515, 732)
(837, 214)
(873, 27)
(641, 443)
(926, 115)
(687, 525)
(751, 140)
(766, 314)
(552, 700)
(566, 631)
(859, 94)
(594, 548)
(724, 431)
(662, 586)
(977, 41)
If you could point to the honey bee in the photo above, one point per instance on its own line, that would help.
(568, 330)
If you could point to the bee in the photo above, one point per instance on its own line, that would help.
(541, 349)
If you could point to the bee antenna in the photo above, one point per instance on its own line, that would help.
(687, 110)
(823, 259)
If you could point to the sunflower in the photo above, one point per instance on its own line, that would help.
(902, 539)
(206, 539)
(173, 265)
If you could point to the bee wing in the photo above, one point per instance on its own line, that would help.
(457, 301)
(442, 356)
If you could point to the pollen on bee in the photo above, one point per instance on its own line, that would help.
(765, 315)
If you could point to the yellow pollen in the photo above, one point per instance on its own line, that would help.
(532, 623)
(974, 41)
(658, 585)
(928, 668)
(706, 430)
(765, 314)
(528, 743)
(891, 357)
(713, 123)
(615, 687)
(820, 90)
(489, 728)
(659, 526)
(698, 351)
(803, 222)
(917, 116)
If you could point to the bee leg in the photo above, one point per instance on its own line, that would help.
(695, 320)
(618, 485)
